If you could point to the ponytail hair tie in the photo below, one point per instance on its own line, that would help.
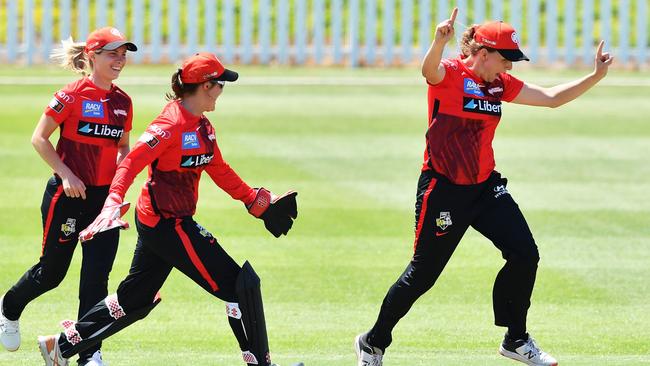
(178, 73)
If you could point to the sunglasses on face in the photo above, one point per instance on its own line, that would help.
(219, 82)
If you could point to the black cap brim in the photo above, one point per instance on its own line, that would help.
(115, 45)
(228, 75)
(513, 55)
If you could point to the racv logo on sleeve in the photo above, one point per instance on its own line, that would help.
(195, 161)
(100, 130)
(190, 141)
(482, 106)
(472, 87)
(90, 108)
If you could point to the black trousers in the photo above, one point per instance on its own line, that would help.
(179, 243)
(443, 213)
(63, 218)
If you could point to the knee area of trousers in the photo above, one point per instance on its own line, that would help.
(94, 286)
(529, 260)
(51, 282)
(232, 310)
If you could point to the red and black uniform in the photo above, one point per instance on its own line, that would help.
(91, 122)
(177, 146)
(459, 188)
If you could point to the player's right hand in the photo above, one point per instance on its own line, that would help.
(445, 30)
(73, 186)
(109, 218)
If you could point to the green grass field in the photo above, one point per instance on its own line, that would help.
(580, 174)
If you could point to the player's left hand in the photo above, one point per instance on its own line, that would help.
(109, 218)
(278, 212)
(602, 61)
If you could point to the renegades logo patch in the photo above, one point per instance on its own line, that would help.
(56, 105)
(482, 106)
(149, 139)
(195, 161)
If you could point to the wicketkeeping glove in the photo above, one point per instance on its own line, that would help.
(109, 218)
(278, 213)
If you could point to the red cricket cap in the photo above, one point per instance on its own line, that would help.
(502, 37)
(107, 38)
(204, 66)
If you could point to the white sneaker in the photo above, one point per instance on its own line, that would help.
(367, 355)
(50, 350)
(526, 351)
(9, 331)
(95, 360)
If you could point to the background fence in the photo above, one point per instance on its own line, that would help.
(352, 32)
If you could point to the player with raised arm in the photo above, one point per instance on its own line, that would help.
(459, 188)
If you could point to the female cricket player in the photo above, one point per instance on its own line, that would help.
(94, 117)
(178, 146)
(459, 187)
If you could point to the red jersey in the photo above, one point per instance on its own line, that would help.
(92, 121)
(178, 146)
(464, 112)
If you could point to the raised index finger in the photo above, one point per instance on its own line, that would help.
(599, 52)
(453, 15)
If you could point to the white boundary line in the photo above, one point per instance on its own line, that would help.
(307, 81)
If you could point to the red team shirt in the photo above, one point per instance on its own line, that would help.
(92, 121)
(464, 112)
(178, 146)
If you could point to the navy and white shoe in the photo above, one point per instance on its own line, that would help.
(526, 351)
(367, 355)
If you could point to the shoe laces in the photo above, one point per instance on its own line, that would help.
(374, 361)
(9, 326)
(374, 358)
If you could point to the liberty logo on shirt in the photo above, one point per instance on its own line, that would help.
(472, 87)
(93, 109)
(190, 141)
(482, 106)
(100, 130)
(195, 161)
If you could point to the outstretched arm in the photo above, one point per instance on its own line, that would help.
(432, 70)
(558, 95)
(148, 148)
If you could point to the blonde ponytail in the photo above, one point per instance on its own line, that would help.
(71, 56)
